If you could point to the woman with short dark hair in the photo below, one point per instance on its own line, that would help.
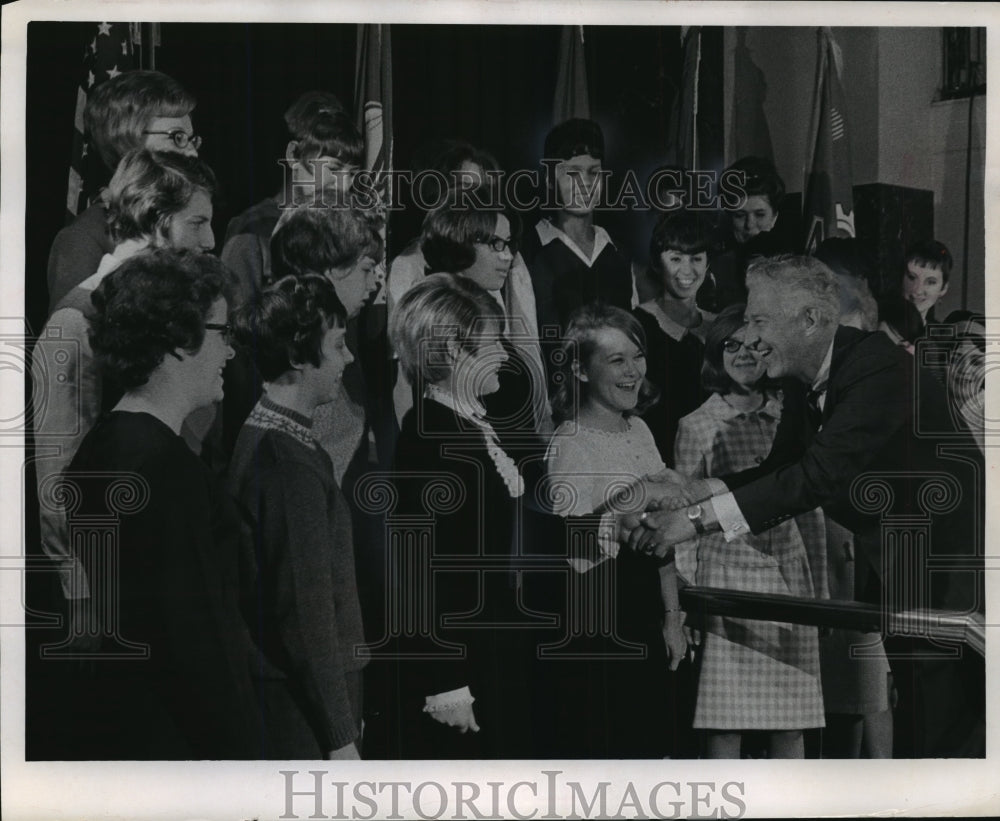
(307, 615)
(160, 329)
(476, 240)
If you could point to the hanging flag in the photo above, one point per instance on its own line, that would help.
(572, 95)
(828, 203)
(110, 52)
(682, 132)
(750, 135)
(373, 95)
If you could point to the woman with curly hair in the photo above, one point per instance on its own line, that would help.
(159, 329)
(155, 200)
(307, 614)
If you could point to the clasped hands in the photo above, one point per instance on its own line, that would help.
(664, 522)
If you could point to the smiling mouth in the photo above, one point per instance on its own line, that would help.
(626, 386)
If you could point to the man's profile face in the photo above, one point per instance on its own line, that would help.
(774, 328)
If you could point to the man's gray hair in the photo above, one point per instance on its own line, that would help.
(804, 282)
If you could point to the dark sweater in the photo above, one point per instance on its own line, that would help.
(76, 252)
(307, 616)
(179, 561)
(563, 282)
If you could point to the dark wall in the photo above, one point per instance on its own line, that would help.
(491, 85)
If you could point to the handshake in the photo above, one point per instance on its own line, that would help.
(671, 515)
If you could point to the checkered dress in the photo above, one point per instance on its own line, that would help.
(754, 675)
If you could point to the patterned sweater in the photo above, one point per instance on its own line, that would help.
(307, 615)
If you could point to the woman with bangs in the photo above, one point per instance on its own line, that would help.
(673, 323)
(471, 237)
(307, 612)
(471, 701)
(600, 447)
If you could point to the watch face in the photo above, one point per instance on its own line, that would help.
(694, 512)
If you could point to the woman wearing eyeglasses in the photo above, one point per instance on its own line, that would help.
(155, 200)
(472, 237)
(172, 588)
(753, 675)
(135, 109)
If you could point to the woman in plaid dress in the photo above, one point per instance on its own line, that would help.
(754, 675)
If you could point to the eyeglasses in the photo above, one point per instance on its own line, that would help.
(498, 244)
(734, 345)
(180, 138)
(226, 330)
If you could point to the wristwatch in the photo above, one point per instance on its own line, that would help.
(694, 516)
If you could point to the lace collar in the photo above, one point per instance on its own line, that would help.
(476, 414)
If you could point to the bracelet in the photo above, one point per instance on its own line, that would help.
(450, 705)
(673, 610)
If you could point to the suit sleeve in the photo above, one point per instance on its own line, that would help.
(870, 407)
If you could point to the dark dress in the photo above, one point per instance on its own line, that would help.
(673, 364)
(306, 614)
(445, 476)
(179, 559)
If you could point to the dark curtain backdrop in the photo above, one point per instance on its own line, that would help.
(491, 85)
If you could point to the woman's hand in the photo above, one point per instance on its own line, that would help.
(675, 638)
(461, 716)
(665, 490)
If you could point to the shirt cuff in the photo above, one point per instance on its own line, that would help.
(445, 701)
(607, 546)
(716, 486)
(729, 516)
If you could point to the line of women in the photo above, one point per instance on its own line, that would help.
(513, 623)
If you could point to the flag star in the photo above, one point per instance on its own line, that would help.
(113, 72)
(104, 28)
(90, 79)
(93, 45)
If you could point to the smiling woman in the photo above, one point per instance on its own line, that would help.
(673, 322)
(308, 619)
(178, 556)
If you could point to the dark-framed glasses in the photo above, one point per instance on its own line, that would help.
(180, 138)
(226, 330)
(499, 244)
(734, 345)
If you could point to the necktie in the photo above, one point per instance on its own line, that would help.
(814, 411)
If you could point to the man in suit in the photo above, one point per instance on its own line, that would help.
(848, 442)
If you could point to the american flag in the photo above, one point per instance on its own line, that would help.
(373, 75)
(110, 51)
(828, 204)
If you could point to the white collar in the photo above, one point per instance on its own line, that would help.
(472, 412)
(671, 327)
(548, 232)
(823, 375)
(476, 413)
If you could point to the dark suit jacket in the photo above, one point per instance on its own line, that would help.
(869, 434)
